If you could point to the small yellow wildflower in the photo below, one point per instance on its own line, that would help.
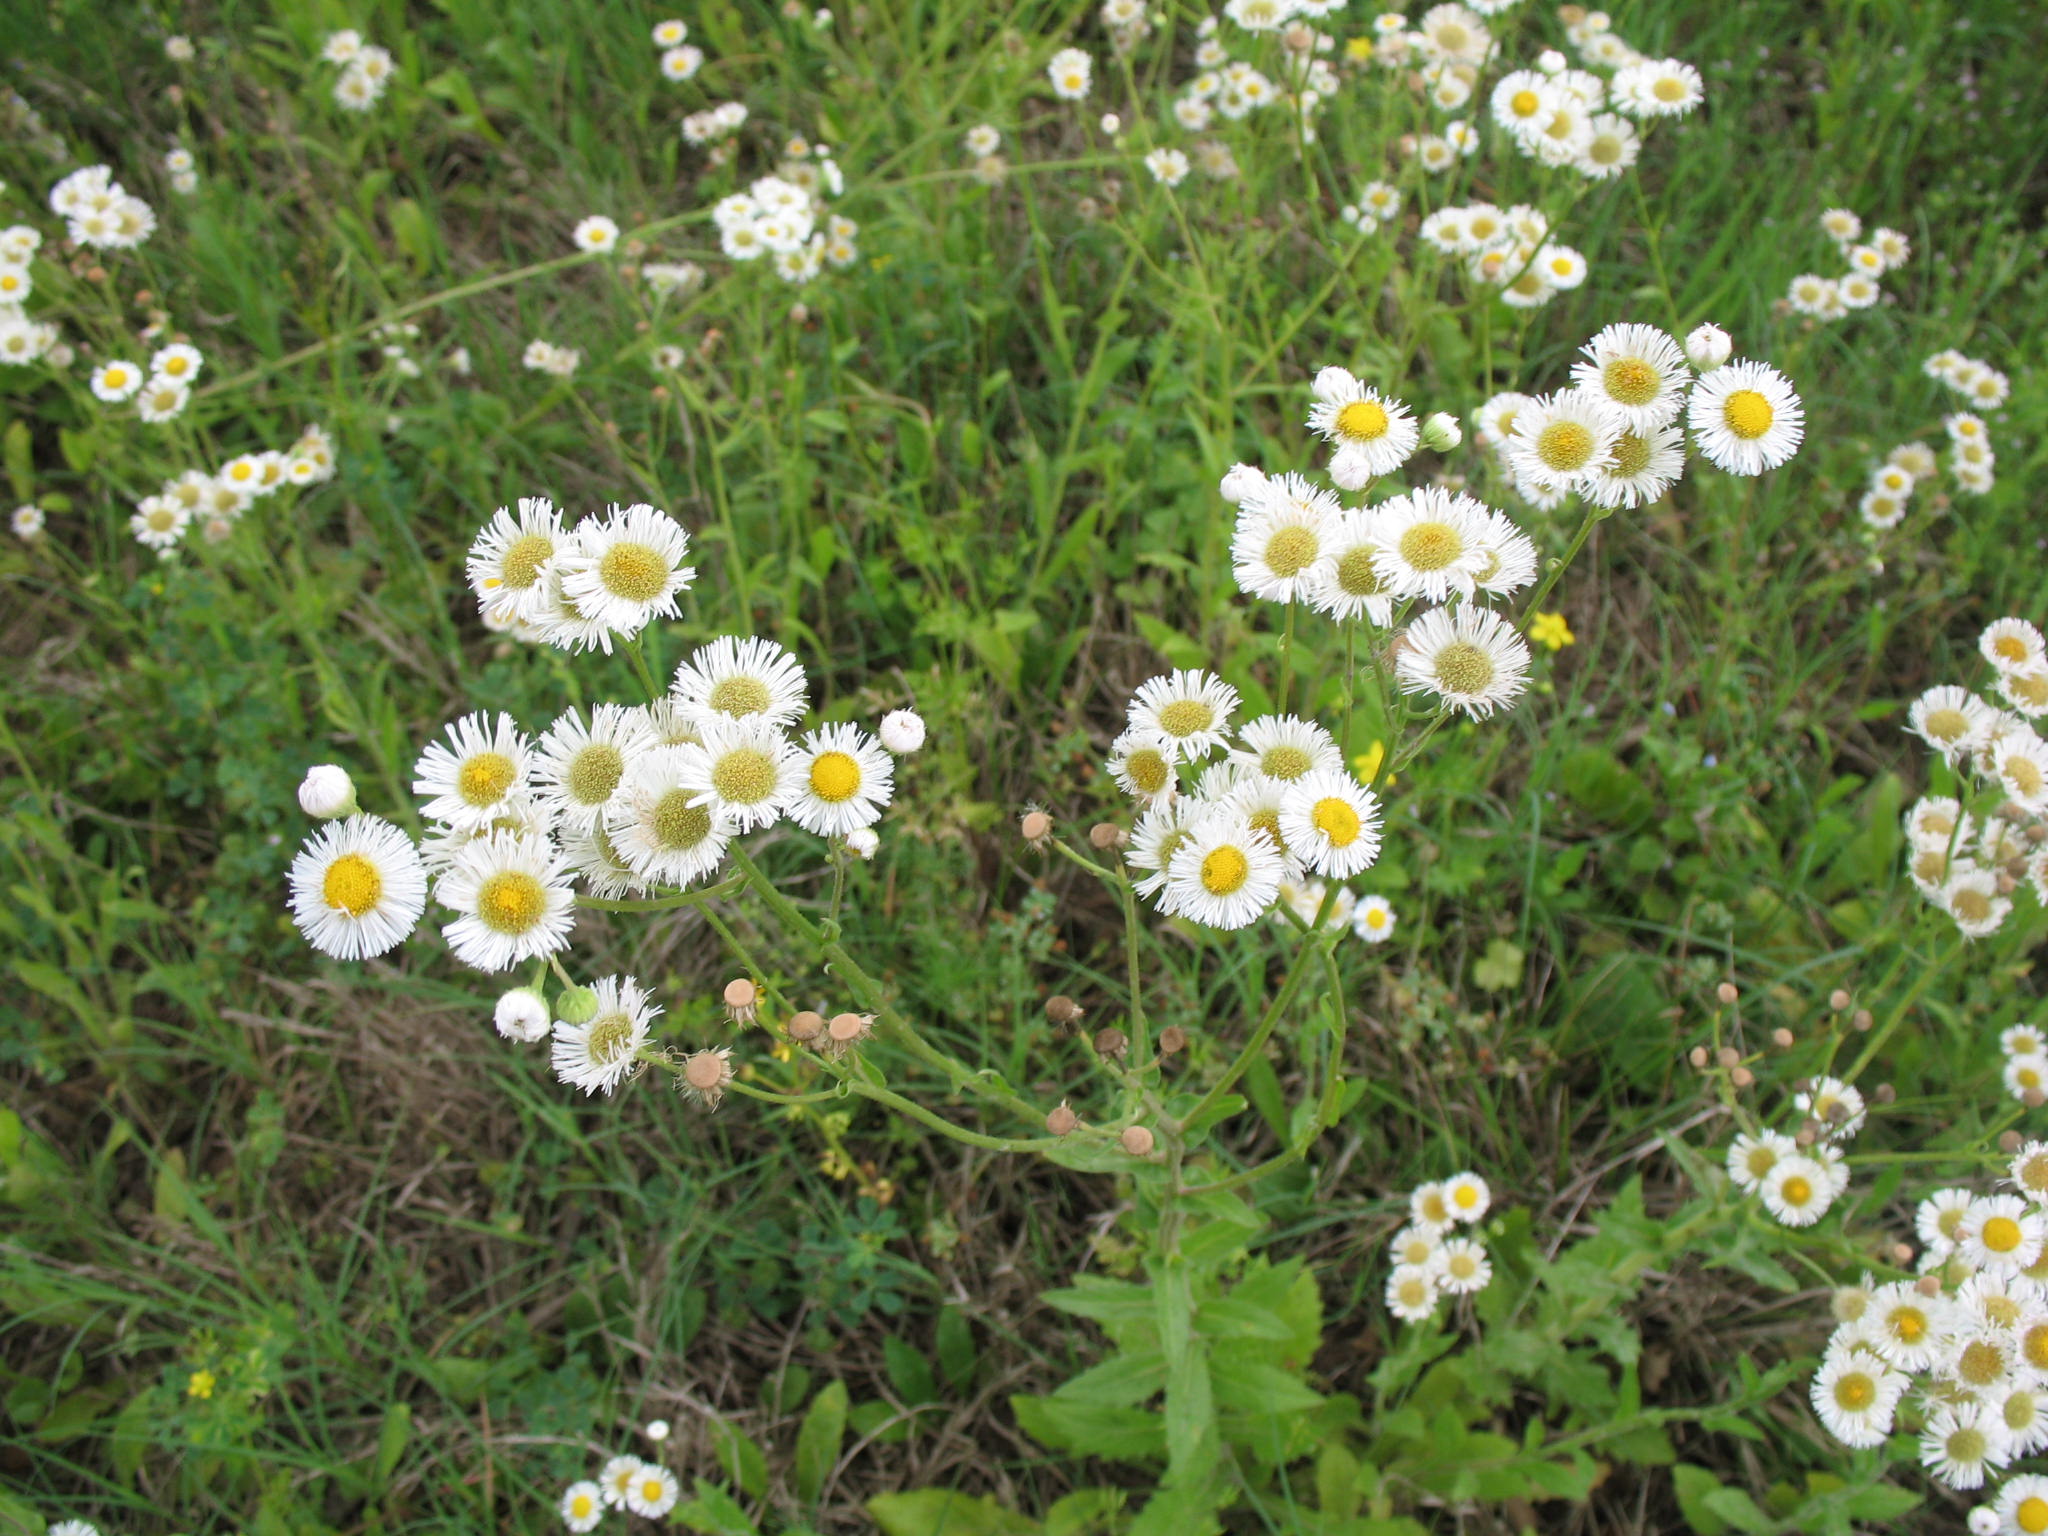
(1550, 629)
(200, 1384)
(1358, 50)
(1367, 763)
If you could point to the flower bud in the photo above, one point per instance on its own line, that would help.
(1441, 433)
(522, 1015)
(327, 792)
(1741, 1077)
(1728, 1056)
(1862, 1020)
(1726, 992)
(805, 1027)
(1172, 1040)
(1136, 1140)
(862, 842)
(1242, 480)
(1838, 999)
(1708, 347)
(1062, 1009)
(1106, 835)
(1062, 1120)
(1110, 1042)
(1781, 1037)
(1112, 124)
(902, 730)
(576, 1005)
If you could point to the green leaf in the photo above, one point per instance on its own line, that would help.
(1881, 1501)
(739, 1458)
(910, 1373)
(818, 1440)
(940, 1512)
(1500, 967)
(391, 1442)
(956, 1347)
(714, 1512)
(1085, 1512)
(1737, 1509)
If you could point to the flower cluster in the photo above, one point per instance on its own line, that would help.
(99, 213)
(366, 69)
(1798, 1176)
(1970, 464)
(216, 502)
(1509, 249)
(1967, 856)
(1431, 1258)
(543, 356)
(1071, 72)
(1962, 1353)
(1979, 383)
(1311, 902)
(779, 216)
(714, 123)
(680, 59)
(162, 393)
(624, 1483)
(183, 171)
(1866, 260)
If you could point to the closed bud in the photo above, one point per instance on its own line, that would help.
(1781, 1037)
(576, 1005)
(2010, 1142)
(1136, 1140)
(805, 1027)
(1838, 999)
(327, 792)
(1441, 432)
(1726, 992)
(1172, 1040)
(1110, 1042)
(1742, 1077)
(1728, 1056)
(1106, 835)
(1062, 1121)
(1697, 1056)
(1862, 1020)
(1062, 1009)
(2034, 1098)
(1927, 1285)
(1708, 347)
(1902, 1254)
(1884, 1093)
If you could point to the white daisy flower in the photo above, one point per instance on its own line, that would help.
(603, 1051)
(1411, 1293)
(594, 859)
(1432, 543)
(742, 678)
(357, 888)
(745, 768)
(1752, 1157)
(1904, 1326)
(510, 558)
(579, 769)
(2025, 1074)
(1823, 1099)
(653, 1493)
(627, 570)
(1372, 434)
(1510, 557)
(1427, 1203)
(1191, 707)
(180, 360)
(1855, 1396)
(1142, 764)
(480, 774)
(1612, 146)
(658, 825)
(1160, 831)
(1225, 873)
(670, 34)
(159, 522)
(1374, 920)
(117, 380)
(1798, 1191)
(1559, 267)
(582, 1507)
(1467, 1197)
(2020, 760)
(2013, 645)
(1658, 88)
(1070, 71)
(1745, 418)
(1639, 371)
(596, 233)
(1331, 823)
(1286, 748)
(1960, 1441)
(1462, 1266)
(2001, 1234)
(162, 400)
(1347, 580)
(1257, 799)
(1523, 101)
(1561, 442)
(1416, 1245)
(1471, 657)
(2022, 1505)
(844, 781)
(1278, 538)
(1952, 720)
(511, 896)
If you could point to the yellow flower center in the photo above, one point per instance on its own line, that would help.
(484, 779)
(594, 773)
(1669, 88)
(524, 558)
(1909, 1326)
(1565, 445)
(2019, 1411)
(1148, 769)
(1605, 150)
(1562, 266)
(1631, 455)
(1947, 724)
(608, 1038)
(1431, 546)
(1356, 575)
(1462, 1266)
(2002, 1310)
(2002, 1234)
(241, 471)
(1524, 103)
(2032, 1515)
(651, 1491)
(1760, 1161)
(744, 775)
(678, 824)
(1855, 1391)
(1339, 824)
(1465, 1197)
(1631, 380)
(1285, 762)
(1414, 1292)
(1462, 667)
(1268, 822)
(1186, 717)
(740, 696)
(1748, 414)
(637, 572)
(352, 884)
(1363, 421)
(1434, 1209)
(1290, 549)
(1225, 870)
(1796, 1191)
(1980, 1363)
(580, 1507)
(117, 378)
(1973, 906)
(511, 902)
(835, 777)
(1452, 37)
(1375, 918)
(2024, 774)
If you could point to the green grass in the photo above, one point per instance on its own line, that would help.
(978, 474)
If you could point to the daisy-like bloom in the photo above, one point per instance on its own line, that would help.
(2012, 645)
(1347, 579)
(159, 522)
(844, 781)
(580, 769)
(478, 776)
(1287, 748)
(741, 678)
(1169, 167)
(1560, 267)
(1904, 1326)
(1892, 480)
(1372, 434)
(654, 1492)
(982, 140)
(627, 570)
(117, 380)
(342, 47)
(1751, 1158)
(1951, 720)
(511, 896)
(1841, 225)
(162, 400)
(2026, 692)
(1561, 441)
(1160, 831)
(1429, 1205)
(1855, 1395)
(1822, 1102)
(1453, 34)
(180, 360)
(1070, 71)
(509, 560)
(2020, 760)
(594, 859)
(1142, 764)
(2025, 1074)
(357, 888)
(1798, 1191)
(1432, 543)
(1417, 1245)
(15, 282)
(2001, 1234)
(1462, 1266)
(74, 1528)
(1811, 294)
(1411, 1293)
(1857, 291)
(1745, 418)
(597, 1055)
(1960, 1441)
(1225, 872)
(1658, 88)
(1331, 823)
(596, 233)
(1374, 920)
(1466, 1197)
(658, 827)
(1938, 1220)
(1471, 657)
(1645, 465)
(1612, 146)
(1257, 799)
(2022, 1505)
(670, 34)
(1523, 101)
(1190, 707)
(745, 769)
(1278, 538)
(1637, 370)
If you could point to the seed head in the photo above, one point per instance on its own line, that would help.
(1106, 835)
(804, 1027)
(742, 1000)
(1063, 1010)
(845, 1031)
(1726, 992)
(1172, 1040)
(705, 1075)
(1036, 827)
(1062, 1120)
(1136, 1140)
(1838, 999)
(1110, 1042)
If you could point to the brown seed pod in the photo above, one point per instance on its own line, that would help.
(1781, 1038)
(1726, 992)
(1106, 835)
(805, 1027)
(1063, 1010)
(1062, 1120)
(742, 999)
(1036, 827)
(1172, 1040)
(1838, 999)
(1110, 1042)
(1136, 1140)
